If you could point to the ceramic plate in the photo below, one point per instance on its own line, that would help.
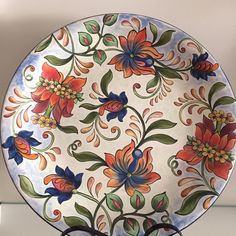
(119, 122)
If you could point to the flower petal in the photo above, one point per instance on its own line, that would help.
(33, 142)
(69, 174)
(207, 136)
(60, 171)
(41, 107)
(53, 191)
(50, 73)
(114, 183)
(110, 160)
(64, 197)
(9, 142)
(230, 145)
(78, 180)
(30, 156)
(54, 99)
(123, 43)
(187, 154)
(57, 113)
(18, 158)
(112, 115)
(12, 152)
(129, 188)
(47, 179)
(215, 139)
(123, 98)
(223, 142)
(25, 134)
(219, 169)
(122, 114)
(76, 84)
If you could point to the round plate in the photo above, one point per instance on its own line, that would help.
(119, 122)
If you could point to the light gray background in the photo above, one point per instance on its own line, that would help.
(24, 23)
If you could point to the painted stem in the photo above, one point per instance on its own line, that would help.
(175, 69)
(188, 104)
(49, 145)
(100, 205)
(151, 95)
(45, 214)
(103, 136)
(205, 180)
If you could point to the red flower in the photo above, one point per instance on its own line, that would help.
(131, 167)
(138, 56)
(56, 94)
(210, 147)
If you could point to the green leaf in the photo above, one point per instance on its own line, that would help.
(88, 156)
(110, 19)
(96, 166)
(58, 61)
(106, 79)
(83, 211)
(147, 224)
(153, 29)
(99, 56)
(114, 202)
(226, 100)
(137, 201)
(160, 202)
(168, 73)
(190, 202)
(68, 129)
(85, 39)
(161, 124)
(43, 45)
(92, 26)
(90, 117)
(214, 89)
(28, 188)
(110, 40)
(153, 82)
(131, 226)
(79, 97)
(161, 138)
(72, 221)
(164, 39)
(89, 106)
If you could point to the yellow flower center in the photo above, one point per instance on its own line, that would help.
(44, 121)
(129, 175)
(57, 88)
(221, 116)
(207, 151)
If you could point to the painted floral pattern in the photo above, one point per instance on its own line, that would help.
(99, 132)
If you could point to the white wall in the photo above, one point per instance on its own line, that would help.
(24, 23)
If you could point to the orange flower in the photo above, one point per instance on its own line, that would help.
(131, 167)
(138, 56)
(56, 94)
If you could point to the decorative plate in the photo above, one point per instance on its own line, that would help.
(119, 122)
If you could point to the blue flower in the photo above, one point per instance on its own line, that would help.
(64, 182)
(20, 146)
(115, 105)
(201, 68)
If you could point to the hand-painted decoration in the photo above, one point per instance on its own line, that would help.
(119, 122)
